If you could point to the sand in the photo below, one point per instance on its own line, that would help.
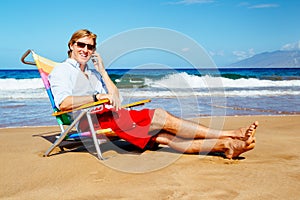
(270, 171)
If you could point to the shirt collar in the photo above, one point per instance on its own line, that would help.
(73, 62)
(76, 64)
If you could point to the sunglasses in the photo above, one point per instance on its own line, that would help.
(82, 45)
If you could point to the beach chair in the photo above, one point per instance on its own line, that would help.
(66, 123)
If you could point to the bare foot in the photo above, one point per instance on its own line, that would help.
(242, 133)
(236, 147)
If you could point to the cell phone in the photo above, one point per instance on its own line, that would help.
(94, 59)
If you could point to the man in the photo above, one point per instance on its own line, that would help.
(74, 84)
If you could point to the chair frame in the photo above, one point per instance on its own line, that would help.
(86, 110)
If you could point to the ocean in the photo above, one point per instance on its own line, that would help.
(186, 93)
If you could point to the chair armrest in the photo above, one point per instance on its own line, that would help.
(57, 113)
(138, 103)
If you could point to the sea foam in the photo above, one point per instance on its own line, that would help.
(184, 80)
(172, 85)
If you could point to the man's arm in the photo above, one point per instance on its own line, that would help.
(113, 91)
(72, 102)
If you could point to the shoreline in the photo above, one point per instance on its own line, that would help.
(193, 118)
(270, 171)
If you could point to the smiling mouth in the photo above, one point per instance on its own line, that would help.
(83, 55)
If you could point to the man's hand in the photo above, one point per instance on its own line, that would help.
(113, 92)
(113, 99)
(98, 62)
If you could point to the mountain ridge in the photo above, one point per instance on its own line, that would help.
(278, 58)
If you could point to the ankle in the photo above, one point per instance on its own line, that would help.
(222, 145)
(227, 144)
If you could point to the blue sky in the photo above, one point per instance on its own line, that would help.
(229, 30)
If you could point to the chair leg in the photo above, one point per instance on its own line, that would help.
(94, 136)
(64, 134)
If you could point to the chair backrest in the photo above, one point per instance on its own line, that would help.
(45, 66)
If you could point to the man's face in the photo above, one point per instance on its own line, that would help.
(82, 50)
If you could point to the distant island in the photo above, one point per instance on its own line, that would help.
(277, 58)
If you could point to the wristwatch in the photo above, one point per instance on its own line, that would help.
(95, 97)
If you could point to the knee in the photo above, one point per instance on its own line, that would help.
(159, 118)
(161, 114)
(160, 111)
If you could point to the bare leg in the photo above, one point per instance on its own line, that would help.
(162, 120)
(230, 147)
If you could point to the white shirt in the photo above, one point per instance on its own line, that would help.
(66, 79)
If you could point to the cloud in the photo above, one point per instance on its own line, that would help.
(190, 2)
(216, 53)
(271, 5)
(244, 54)
(291, 46)
(258, 6)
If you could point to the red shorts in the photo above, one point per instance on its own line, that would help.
(130, 125)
